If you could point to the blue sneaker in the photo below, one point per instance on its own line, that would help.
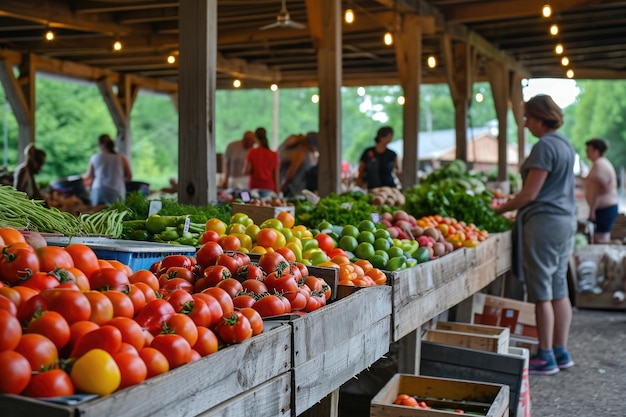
(563, 360)
(540, 366)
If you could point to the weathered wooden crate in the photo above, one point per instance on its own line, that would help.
(482, 263)
(491, 399)
(504, 253)
(261, 213)
(336, 342)
(444, 361)
(472, 336)
(188, 390)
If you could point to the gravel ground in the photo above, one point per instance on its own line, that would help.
(596, 385)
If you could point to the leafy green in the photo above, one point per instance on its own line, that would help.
(337, 209)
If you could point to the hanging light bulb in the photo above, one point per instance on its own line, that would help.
(117, 46)
(315, 98)
(558, 49)
(554, 30)
(171, 59)
(546, 10)
(431, 61)
(479, 97)
(570, 73)
(349, 16)
(565, 61)
(274, 87)
(360, 91)
(237, 83)
(401, 100)
(388, 38)
(49, 35)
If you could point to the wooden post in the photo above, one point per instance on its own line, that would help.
(408, 45)
(120, 105)
(21, 96)
(197, 65)
(517, 106)
(499, 81)
(326, 36)
(460, 69)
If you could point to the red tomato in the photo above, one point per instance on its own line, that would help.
(13, 295)
(209, 252)
(156, 362)
(183, 325)
(10, 331)
(207, 342)
(269, 261)
(199, 312)
(154, 314)
(299, 300)
(145, 276)
(225, 300)
(231, 286)
(281, 282)
(137, 297)
(254, 286)
(17, 264)
(177, 272)
(127, 347)
(325, 242)
(177, 284)
(52, 257)
(8, 305)
(122, 267)
(16, 372)
(133, 369)
(174, 347)
(122, 304)
(70, 303)
(131, 331)
(243, 300)
(209, 236)
(81, 328)
(84, 258)
(234, 328)
(80, 279)
(230, 261)
(255, 319)
(41, 281)
(52, 383)
(211, 276)
(108, 279)
(148, 293)
(174, 260)
(178, 299)
(249, 271)
(314, 302)
(52, 325)
(38, 350)
(101, 307)
(215, 308)
(287, 253)
(269, 305)
(107, 338)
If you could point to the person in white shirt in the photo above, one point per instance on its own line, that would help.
(234, 159)
(108, 173)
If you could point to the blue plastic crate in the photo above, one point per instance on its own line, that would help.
(136, 254)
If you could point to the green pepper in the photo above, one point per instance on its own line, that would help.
(167, 235)
(157, 224)
(189, 241)
(395, 263)
(140, 235)
(132, 225)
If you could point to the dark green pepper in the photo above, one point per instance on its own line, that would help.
(157, 224)
(140, 235)
(167, 235)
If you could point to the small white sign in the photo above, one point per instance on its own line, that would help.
(155, 207)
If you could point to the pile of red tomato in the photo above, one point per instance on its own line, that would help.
(70, 322)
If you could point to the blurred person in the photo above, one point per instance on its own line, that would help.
(285, 152)
(261, 164)
(543, 234)
(24, 177)
(379, 164)
(108, 173)
(234, 159)
(302, 166)
(601, 191)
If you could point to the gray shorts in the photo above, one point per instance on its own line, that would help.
(547, 245)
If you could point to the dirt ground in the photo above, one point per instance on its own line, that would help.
(596, 385)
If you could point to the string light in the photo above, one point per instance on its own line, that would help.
(479, 97)
(565, 61)
(237, 83)
(171, 59)
(570, 73)
(558, 49)
(274, 87)
(554, 30)
(388, 38)
(117, 46)
(360, 91)
(431, 61)
(401, 100)
(315, 98)
(349, 16)
(49, 35)
(546, 10)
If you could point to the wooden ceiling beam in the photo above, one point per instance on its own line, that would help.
(84, 7)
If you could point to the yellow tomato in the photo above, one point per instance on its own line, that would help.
(258, 249)
(272, 223)
(296, 249)
(216, 225)
(96, 373)
(246, 241)
(236, 228)
(252, 231)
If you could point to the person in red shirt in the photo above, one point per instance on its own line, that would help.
(262, 165)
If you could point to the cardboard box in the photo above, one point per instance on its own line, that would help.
(444, 395)
(261, 213)
(473, 336)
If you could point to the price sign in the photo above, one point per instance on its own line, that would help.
(155, 207)
(375, 217)
(347, 206)
(245, 196)
(186, 226)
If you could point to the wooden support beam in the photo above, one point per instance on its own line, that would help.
(500, 88)
(517, 106)
(20, 94)
(408, 46)
(330, 77)
(120, 106)
(197, 65)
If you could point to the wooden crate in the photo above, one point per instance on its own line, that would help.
(602, 301)
(336, 342)
(188, 390)
(458, 393)
(473, 336)
(510, 368)
(482, 263)
(504, 252)
(261, 213)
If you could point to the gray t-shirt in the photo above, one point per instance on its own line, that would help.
(553, 153)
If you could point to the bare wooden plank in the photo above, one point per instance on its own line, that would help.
(270, 399)
(17, 405)
(504, 253)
